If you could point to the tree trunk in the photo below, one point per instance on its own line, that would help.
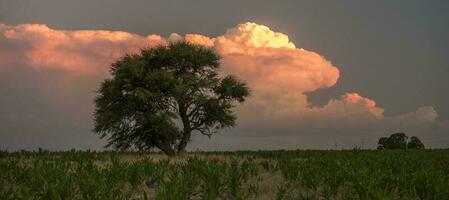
(186, 133)
(183, 143)
(182, 152)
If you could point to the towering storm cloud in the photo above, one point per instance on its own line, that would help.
(48, 78)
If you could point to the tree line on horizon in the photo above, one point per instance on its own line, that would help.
(400, 141)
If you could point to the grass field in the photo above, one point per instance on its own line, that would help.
(348, 174)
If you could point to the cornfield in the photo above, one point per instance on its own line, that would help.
(299, 174)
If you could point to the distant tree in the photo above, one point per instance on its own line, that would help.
(415, 143)
(383, 143)
(399, 141)
(158, 98)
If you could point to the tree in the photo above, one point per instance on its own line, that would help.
(383, 143)
(415, 143)
(158, 98)
(395, 141)
(399, 141)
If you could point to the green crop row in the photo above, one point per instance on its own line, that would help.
(349, 174)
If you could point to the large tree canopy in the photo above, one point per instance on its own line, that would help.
(159, 97)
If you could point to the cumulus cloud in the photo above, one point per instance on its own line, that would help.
(351, 105)
(85, 52)
(35, 61)
(199, 39)
(255, 35)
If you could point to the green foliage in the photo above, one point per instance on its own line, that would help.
(149, 93)
(400, 141)
(415, 143)
(395, 141)
(347, 174)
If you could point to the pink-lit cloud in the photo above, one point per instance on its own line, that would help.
(85, 52)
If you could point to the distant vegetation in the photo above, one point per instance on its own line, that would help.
(158, 98)
(400, 141)
(347, 174)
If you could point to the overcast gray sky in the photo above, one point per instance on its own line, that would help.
(393, 52)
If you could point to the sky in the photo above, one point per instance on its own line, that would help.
(324, 74)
